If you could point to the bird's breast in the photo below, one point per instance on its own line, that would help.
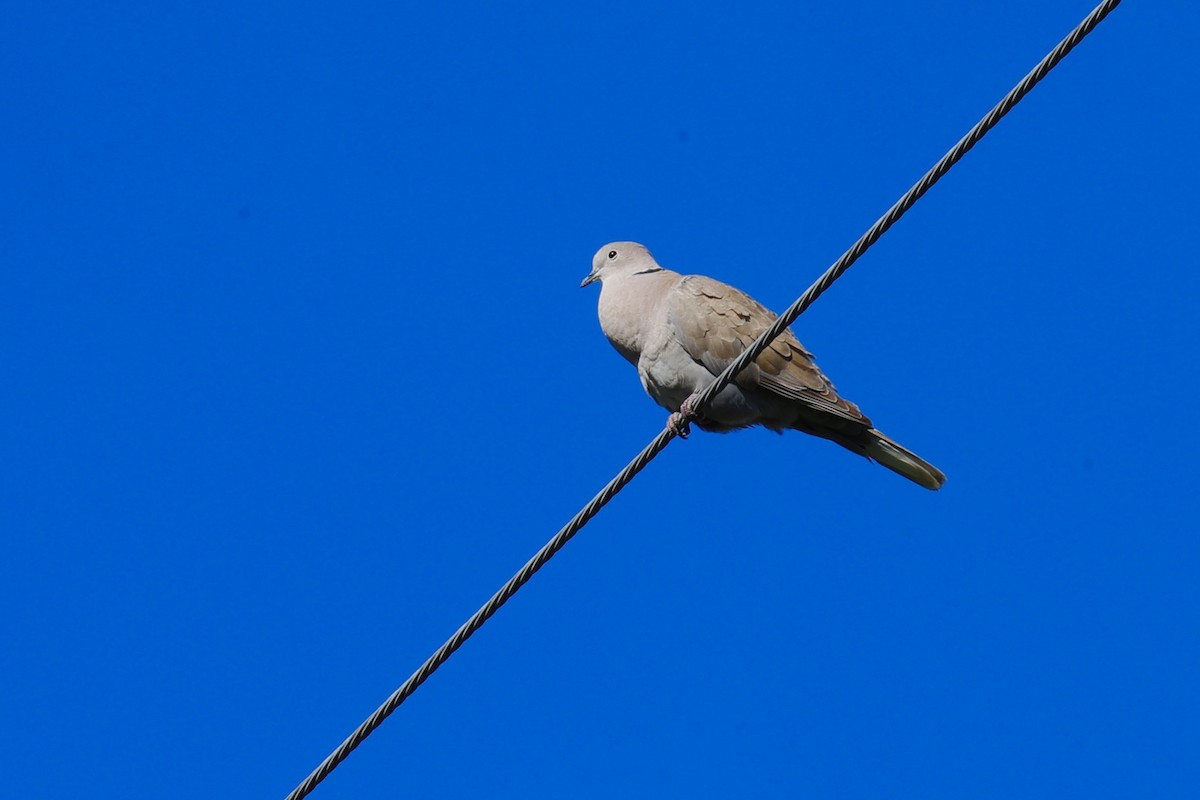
(620, 334)
(630, 311)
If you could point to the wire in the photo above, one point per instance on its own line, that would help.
(904, 203)
(702, 400)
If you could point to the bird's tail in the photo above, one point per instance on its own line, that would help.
(903, 461)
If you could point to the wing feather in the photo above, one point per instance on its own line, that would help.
(716, 322)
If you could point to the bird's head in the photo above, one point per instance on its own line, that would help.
(620, 258)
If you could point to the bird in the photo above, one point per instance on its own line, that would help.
(681, 331)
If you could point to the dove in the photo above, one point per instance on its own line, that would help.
(681, 331)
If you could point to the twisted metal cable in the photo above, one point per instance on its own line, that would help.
(904, 204)
(702, 400)
(481, 616)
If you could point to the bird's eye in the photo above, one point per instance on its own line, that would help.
(612, 254)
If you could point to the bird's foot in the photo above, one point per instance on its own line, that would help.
(680, 422)
(679, 425)
(688, 406)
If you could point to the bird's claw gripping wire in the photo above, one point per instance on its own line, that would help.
(679, 425)
(680, 422)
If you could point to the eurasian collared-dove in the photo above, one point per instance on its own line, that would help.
(681, 331)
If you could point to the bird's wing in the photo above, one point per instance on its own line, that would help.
(715, 322)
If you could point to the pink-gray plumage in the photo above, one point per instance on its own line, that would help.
(681, 331)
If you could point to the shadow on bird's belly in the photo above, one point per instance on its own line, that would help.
(670, 381)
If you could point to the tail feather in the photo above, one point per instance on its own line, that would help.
(903, 461)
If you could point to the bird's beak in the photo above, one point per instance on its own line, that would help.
(589, 279)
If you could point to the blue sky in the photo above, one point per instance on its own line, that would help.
(297, 372)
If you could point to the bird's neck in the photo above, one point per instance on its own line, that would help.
(627, 305)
